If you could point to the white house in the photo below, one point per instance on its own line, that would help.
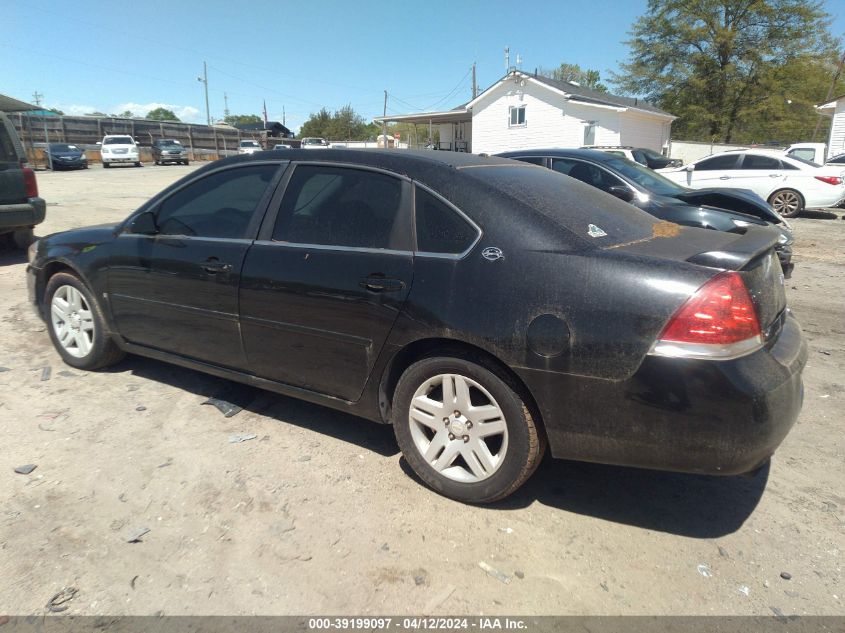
(522, 111)
(836, 109)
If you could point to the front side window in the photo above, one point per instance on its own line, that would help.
(517, 116)
(339, 206)
(587, 172)
(440, 229)
(219, 205)
(721, 161)
(534, 160)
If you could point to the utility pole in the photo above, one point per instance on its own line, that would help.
(225, 106)
(474, 85)
(204, 80)
(37, 96)
(507, 59)
(283, 116)
(384, 122)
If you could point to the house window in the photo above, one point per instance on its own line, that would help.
(517, 116)
(590, 133)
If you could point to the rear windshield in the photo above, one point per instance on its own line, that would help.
(249, 144)
(7, 147)
(63, 147)
(594, 216)
(118, 140)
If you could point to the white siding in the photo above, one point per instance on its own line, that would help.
(641, 130)
(553, 121)
(836, 145)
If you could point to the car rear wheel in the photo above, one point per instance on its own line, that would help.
(788, 202)
(106, 165)
(137, 164)
(464, 430)
(76, 324)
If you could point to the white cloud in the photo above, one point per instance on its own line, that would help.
(75, 109)
(189, 114)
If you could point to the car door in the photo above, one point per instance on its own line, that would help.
(759, 173)
(713, 171)
(322, 287)
(175, 288)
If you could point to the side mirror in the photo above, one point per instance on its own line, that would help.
(690, 167)
(621, 192)
(144, 224)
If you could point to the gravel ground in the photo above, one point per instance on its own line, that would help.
(320, 515)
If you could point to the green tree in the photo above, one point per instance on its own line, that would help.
(343, 125)
(96, 113)
(573, 72)
(57, 111)
(162, 114)
(127, 114)
(724, 66)
(242, 119)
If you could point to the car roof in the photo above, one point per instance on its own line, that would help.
(556, 152)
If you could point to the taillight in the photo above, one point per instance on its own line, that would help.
(30, 183)
(719, 321)
(831, 180)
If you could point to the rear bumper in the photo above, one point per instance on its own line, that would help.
(699, 416)
(24, 215)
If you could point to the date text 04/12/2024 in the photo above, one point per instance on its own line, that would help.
(422, 623)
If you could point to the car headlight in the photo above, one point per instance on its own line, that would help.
(30, 252)
(740, 223)
(783, 238)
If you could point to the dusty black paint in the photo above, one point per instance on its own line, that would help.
(297, 320)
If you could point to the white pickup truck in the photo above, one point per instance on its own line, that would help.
(814, 152)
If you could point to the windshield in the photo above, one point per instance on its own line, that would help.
(63, 147)
(119, 140)
(649, 180)
(313, 141)
(651, 153)
(249, 144)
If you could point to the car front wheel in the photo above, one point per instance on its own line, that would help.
(464, 430)
(788, 202)
(76, 324)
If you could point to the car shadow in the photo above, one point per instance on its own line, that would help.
(818, 214)
(696, 506)
(343, 426)
(10, 255)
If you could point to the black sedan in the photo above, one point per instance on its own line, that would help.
(482, 307)
(66, 156)
(722, 209)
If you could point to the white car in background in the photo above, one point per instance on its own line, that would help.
(249, 147)
(789, 184)
(117, 149)
(313, 142)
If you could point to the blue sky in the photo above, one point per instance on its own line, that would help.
(300, 56)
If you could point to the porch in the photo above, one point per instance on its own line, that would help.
(453, 127)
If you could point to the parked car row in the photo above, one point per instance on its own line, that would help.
(789, 184)
(484, 307)
(714, 208)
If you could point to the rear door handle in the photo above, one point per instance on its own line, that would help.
(213, 265)
(381, 284)
(774, 175)
(724, 177)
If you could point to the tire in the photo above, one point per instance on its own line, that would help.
(788, 202)
(507, 437)
(106, 165)
(186, 163)
(137, 164)
(87, 344)
(22, 238)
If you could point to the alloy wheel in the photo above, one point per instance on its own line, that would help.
(73, 322)
(458, 428)
(786, 202)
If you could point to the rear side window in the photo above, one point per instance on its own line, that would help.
(722, 161)
(534, 160)
(338, 206)
(755, 161)
(440, 229)
(220, 205)
(7, 147)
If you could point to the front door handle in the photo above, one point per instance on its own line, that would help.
(724, 177)
(774, 175)
(213, 265)
(375, 283)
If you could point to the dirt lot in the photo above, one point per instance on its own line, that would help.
(319, 513)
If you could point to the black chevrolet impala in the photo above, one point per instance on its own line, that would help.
(483, 307)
